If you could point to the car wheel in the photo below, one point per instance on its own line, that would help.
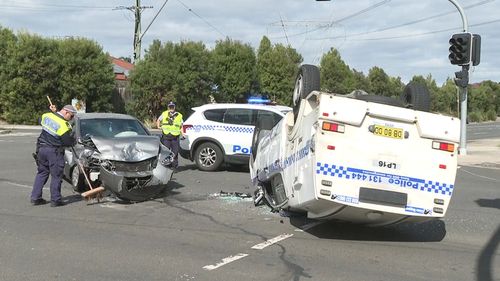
(417, 96)
(77, 180)
(208, 156)
(308, 80)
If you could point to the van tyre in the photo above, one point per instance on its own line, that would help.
(208, 156)
(308, 80)
(417, 96)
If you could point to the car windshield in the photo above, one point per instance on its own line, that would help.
(111, 128)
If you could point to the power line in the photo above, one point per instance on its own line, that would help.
(206, 22)
(410, 22)
(419, 34)
(154, 18)
(27, 5)
(329, 25)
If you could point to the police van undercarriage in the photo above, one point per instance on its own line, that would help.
(360, 158)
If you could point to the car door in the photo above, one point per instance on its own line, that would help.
(238, 130)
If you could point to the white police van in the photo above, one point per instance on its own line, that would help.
(222, 133)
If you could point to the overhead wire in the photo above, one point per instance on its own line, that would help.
(154, 18)
(204, 20)
(407, 23)
(329, 25)
(421, 34)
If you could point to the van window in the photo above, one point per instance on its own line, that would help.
(216, 115)
(268, 119)
(239, 116)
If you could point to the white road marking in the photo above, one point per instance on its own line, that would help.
(18, 184)
(18, 134)
(225, 261)
(479, 176)
(272, 241)
(308, 226)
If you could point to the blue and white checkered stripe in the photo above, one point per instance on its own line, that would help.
(436, 187)
(234, 129)
(383, 178)
(332, 170)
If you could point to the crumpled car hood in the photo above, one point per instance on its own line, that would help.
(130, 149)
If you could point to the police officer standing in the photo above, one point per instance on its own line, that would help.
(170, 122)
(56, 134)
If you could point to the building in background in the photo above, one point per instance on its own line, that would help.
(122, 69)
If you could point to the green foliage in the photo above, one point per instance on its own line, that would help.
(445, 99)
(86, 74)
(31, 74)
(336, 77)
(380, 82)
(7, 40)
(233, 66)
(277, 67)
(476, 116)
(170, 72)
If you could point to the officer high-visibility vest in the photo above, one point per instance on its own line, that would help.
(175, 128)
(54, 124)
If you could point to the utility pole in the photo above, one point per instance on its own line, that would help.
(137, 10)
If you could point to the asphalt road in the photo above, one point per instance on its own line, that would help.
(487, 130)
(192, 233)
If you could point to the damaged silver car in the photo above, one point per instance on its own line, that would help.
(119, 154)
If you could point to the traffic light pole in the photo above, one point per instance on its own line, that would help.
(462, 149)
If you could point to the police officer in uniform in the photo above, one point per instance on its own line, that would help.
(170, 122)
(56, 134)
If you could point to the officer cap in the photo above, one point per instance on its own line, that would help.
(69, 108)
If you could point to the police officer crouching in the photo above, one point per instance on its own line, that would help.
(170, 122)
(56, 134)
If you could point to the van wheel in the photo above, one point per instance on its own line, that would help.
(77, 180)
(208, 156)
(417, 96)
(308, 80)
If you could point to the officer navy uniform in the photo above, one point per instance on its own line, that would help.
(56, 134)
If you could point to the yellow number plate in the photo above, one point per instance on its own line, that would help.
(389, 132)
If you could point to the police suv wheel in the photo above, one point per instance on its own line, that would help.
(77, 180)
(208, 156)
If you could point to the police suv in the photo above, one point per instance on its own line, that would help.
(218, 133)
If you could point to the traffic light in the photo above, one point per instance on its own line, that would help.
(460, 49)
(476, 49)
(462, 78)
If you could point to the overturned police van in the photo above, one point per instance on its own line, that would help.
(360, 158)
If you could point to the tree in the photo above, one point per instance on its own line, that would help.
(233, 68)
(86, 74)
(277, 67)
(380, 82)
(336, 77)
(7, 40)
(482, 101)
(431, 85)
(32, 73)
(170, 72)
(360, 81)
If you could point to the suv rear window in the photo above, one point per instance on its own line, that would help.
(216, 115)
(239, 116)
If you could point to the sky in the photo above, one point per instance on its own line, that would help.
(404, 37)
